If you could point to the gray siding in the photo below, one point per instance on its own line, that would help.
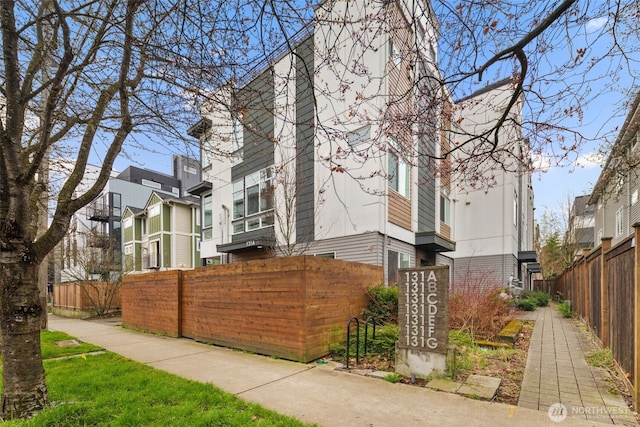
(305, 115)
(365, 248)
(257, 99)
(427, 187)
(492, 270)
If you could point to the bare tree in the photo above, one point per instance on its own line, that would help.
(98, 270)
(79, 77)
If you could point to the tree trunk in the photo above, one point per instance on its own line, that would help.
(24, 390)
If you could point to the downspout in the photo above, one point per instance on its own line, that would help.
(222, 232)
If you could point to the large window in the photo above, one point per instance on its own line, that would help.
(207, 217)
(253, 201)
(399, 173)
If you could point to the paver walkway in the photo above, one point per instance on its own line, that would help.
(557, 373)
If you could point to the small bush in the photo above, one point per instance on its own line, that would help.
(382, 304)
(565, 309)
(541, 298)
(527, 304)
(477, 306)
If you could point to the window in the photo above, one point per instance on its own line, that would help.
(359, 136)
(207, 217)
(152, 184)
(619, 222)
(331, 255)
(403, 260)
(117, 204)
(143, 224)
(399, 172)
(128, 222)
(445, 209)
(634, 196)
(128, 249)
(515, 209)
(394, 54)
(396, 260)
(154, 210)
(253, 201)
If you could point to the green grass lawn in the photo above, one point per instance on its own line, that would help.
(107, 389)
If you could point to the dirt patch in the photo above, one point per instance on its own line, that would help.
(508, 365)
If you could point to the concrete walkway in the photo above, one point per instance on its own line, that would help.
(557, 373)
(309, 392)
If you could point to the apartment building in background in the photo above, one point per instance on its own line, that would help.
(92, 249)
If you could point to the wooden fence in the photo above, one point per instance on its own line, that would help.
(294, 308)
(78, 299)
(604, 290)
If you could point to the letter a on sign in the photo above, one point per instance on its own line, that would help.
(432, 277)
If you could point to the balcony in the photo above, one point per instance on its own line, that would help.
(98, 212)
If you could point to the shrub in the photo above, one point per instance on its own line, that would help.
(477, 306)
(382, 304)
(527, 304)
(541, 298)
(565, 308)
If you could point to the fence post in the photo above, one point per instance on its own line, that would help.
(179, 298)
(636, 315)
(604, 292)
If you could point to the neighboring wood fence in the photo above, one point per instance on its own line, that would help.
(604, 289)
(78, 299)
(294, 308)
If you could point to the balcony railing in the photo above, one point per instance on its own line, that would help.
(98, 212)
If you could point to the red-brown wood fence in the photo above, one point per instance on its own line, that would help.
(294, 308)
(604, 290)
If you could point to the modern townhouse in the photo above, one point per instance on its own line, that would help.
(615, 195)
(493, 205)
(328, 148)
(164, 235)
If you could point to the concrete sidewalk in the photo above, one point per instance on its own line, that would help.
(557, 373)
(309, 392)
